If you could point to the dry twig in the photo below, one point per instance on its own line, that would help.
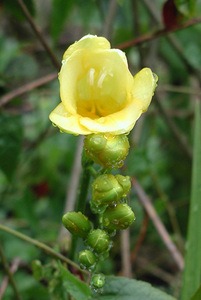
(27, 88)
(159, 33)
(13, 268)
(71, 192)
(125, 253)
(146, 202)
(9, 274)
(39, 35)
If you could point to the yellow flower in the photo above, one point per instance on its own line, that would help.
(98, 93)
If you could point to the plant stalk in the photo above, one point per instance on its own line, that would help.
(41, 246)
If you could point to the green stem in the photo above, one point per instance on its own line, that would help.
(84, 183)
(82, 196)
(41, 246)
(84, 186)
(9, 274)
(192, 271)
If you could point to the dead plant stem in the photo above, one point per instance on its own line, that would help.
(146, 202)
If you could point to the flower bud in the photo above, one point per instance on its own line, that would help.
(37, 269)
(107, 150)
(87, 259)
(125, 183)
(77, 223)
(120, 216)
(98, 240)
(106, 190)
(97, 281)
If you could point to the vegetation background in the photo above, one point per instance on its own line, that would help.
(40, 167)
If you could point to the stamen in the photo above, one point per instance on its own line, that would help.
(101, 79)
(91, 76)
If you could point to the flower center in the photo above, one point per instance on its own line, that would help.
(98, 95)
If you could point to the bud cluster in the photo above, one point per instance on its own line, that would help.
(108, 201)
(97, 240)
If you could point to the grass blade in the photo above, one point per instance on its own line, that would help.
(192, 271)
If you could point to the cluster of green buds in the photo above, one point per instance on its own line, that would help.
(108, 201)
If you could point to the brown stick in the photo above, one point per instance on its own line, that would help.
(154, 35)
(125, 253)
(71, 193)
(13, 268)
(39, 35)
(146, 202)
(142, 235)
(26, 88)
(9, 274)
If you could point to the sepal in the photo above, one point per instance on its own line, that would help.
(77, 223)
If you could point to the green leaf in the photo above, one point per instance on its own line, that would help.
(120, 288)
(75, 287)
(192, 272)
(10, 143)
(197, 295)
(60, 11)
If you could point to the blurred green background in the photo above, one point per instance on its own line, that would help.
(36, 160)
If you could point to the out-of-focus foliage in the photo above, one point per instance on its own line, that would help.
(36, 160)
(10, 147)
(58, 16)
(12, 7)
(186, 7)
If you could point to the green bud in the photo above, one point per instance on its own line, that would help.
(106, 190)
(125, 183)
(97, 281)
(77, 223)
(120, 216)
(98, 240)
(107, 150)
(37, 269)
(87, 259)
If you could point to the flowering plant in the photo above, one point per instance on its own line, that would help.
(102, 100)
(98, 92)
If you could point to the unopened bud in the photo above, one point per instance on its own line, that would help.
(77, 223)
(118, 217)
(106, 190)
(107, 150)
(98, 240)
(87, 259)
(97, 281)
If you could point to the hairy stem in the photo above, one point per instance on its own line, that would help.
(82, 195)
(41, 246)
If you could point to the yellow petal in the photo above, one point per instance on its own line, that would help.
(68, 76)
(66, 122)
(87, 42)
(117, 123)
(94, 79)
(143, 87)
